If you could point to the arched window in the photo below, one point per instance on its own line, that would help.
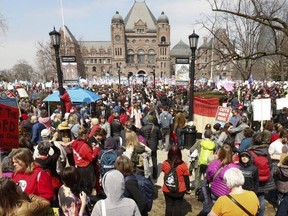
(163, 39)
(94, 68)
(130, 56)
(151, 56)
(141, 56)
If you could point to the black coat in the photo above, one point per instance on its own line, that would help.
(152, 135)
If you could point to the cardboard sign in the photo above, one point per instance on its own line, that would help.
(9, 117)
(281, 103)
(22, 93)
(222, 115)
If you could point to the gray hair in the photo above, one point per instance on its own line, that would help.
(234, 178)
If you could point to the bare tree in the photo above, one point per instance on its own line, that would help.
(271, 14)
(46, 69)
(23, 71)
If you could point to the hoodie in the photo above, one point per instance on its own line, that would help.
(82, 153)
(281, 177)
(250, 172)
(115, 203)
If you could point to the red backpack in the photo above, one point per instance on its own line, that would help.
(262, 163)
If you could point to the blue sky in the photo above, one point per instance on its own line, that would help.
(30, 21)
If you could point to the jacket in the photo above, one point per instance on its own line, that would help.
(82, 153)
(182, 171)
(218, 186)
(281, 178)
(179, 121)
(36, 206)
(207, 148)
(115, 203)
(39, 182)
(250, 173)
(36, 132)
(155, 135)
(270, 184)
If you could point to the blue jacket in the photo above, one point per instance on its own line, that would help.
(36, 132)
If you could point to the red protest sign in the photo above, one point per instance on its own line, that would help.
(9, 117)
(222, 114)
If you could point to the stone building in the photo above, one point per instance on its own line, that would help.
(140, 44)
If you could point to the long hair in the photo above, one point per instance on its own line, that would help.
(131, 139)
(225, 154)
(25, 155)
(11, 196)
(175, 155)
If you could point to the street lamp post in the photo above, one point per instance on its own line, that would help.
(193, 41)
(55, 41)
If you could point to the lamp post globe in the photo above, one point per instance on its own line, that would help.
(193, 41)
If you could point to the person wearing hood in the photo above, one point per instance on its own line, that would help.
(111, 143)
(115, 204)
(84, 156)
(249, 170)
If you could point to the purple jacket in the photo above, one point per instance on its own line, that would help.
(218, 186)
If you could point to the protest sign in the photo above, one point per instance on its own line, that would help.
(9, 117)
(262, 109)
(222, 115)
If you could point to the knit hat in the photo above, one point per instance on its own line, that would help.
(245, 152)
(45, 133)
(24, 116)
(150, 119)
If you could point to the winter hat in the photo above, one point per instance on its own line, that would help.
(150, 119)
(245, 152)
(110, 143)
(45, 133)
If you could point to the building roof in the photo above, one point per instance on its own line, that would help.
(96, 44)
(180, 50)
(68, 33)
(163, 18)
(140, 11)
(117, 18)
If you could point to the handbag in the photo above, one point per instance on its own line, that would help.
(240, 206)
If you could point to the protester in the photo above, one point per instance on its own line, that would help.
(124, 165)
(224, 205)
(72, 201)
(30, 176)
(115, 204)
(16, 202)
(174, 200)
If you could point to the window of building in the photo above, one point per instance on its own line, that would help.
(130, 57)
(140, 31)
(141, 56)
(91, 61)
(163, 39)
(151, 56)
(94, 69)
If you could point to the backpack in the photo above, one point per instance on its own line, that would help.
(165, 121)
(146, 187)
(171, 180)
(107, 161)
(261, 161)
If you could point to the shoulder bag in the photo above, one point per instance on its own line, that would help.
(240, 206)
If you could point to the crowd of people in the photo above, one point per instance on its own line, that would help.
(75, 160)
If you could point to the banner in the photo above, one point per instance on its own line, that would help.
(205, 110)
(9, 117)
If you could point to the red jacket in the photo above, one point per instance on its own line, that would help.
(67, 101)
(82, 153)
(39, 182)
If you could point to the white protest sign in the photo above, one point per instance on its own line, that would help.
(262, 109)
(281, 103)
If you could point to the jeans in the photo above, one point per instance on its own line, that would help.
(180, 135)
(173, 205)
(166, 138)
(155, 165)
(261, 198)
